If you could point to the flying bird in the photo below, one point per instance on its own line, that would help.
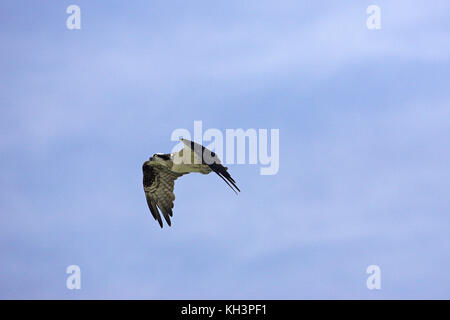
(161, 171)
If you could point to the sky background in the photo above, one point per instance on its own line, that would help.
(364, 120)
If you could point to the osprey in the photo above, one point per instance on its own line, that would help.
(161, 171)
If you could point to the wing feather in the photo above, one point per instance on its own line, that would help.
(210, 159)
(159, 183)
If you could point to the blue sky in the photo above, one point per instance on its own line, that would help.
(364, 174)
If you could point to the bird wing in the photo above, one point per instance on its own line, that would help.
(158, 187)
(210, 159)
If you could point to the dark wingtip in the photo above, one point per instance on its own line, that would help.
(223, 173)
(229, 184)
(159, 220)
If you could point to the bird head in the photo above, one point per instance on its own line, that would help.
(160, 157)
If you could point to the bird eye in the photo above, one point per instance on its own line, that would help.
(213, 154)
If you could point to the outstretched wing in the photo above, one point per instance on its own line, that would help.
(209, 158)
(158, 187)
